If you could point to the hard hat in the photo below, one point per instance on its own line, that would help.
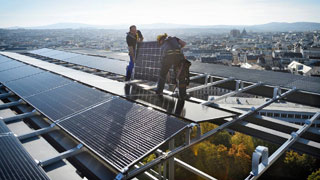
(161, 36)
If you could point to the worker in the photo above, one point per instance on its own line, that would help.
(173, 56)
(133, 37)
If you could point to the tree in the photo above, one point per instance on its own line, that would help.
(315, 175)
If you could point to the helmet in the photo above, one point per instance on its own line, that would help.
(161, 37)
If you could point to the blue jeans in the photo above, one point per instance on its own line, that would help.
(129, 69)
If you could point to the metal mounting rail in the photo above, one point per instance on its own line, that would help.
(21, 116)
(262, 152)
(11, 104)
(1, 86)
(61, 156)
(209, 84)
(198, 77)
(170, 154)
(6, 95)
(193, 169)
(233, 93)
(37, 132)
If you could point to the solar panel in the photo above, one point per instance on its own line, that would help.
(65, 100)
(105, 64)
(49, 53)
(148, 61)
(122, 132)
(3, 128)
(10, 65)
(4, 59)
(64, 56)
(40, 50)
(37, 83)
(17, 73)
(16, 163)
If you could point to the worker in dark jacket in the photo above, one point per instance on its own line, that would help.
(172, 56)
(133, 36)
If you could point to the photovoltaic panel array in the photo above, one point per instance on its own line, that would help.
(4, 59)
(287, 80)
(118, 131)
(122, 132)
(34, 84)
(17, 73)
(66, 100)
(100, 63)
(15, 162)
(10, 65)
(148, 61)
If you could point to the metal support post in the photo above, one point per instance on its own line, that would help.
(206, 79)
(11, 104)
(209, 84)
(276, 92)
(21, 116)
(171, 161)
(37, 132)
(165, 170)
(61, 156)
(6, 95)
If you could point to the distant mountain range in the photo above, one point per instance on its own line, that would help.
(274, 26)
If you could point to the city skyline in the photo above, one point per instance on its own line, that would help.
(28, 13)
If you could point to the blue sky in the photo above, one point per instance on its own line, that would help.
(28, 13)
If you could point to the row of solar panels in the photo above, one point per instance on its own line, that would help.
(148, 64)
(118, 131)
(15, 161)
(106, 64)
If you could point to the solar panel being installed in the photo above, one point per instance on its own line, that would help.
(65, 100)
(37, 83)
(122, 132)
(17, 73)
(16, 163)
(148, 61)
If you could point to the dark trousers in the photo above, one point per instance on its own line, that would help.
(174, 60)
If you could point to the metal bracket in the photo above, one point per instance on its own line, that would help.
(37, 132)
(11, 104)
(6, 95)
(260, 154)
(61, 156)
(21, 116)
(276, 92)
(239, 85)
